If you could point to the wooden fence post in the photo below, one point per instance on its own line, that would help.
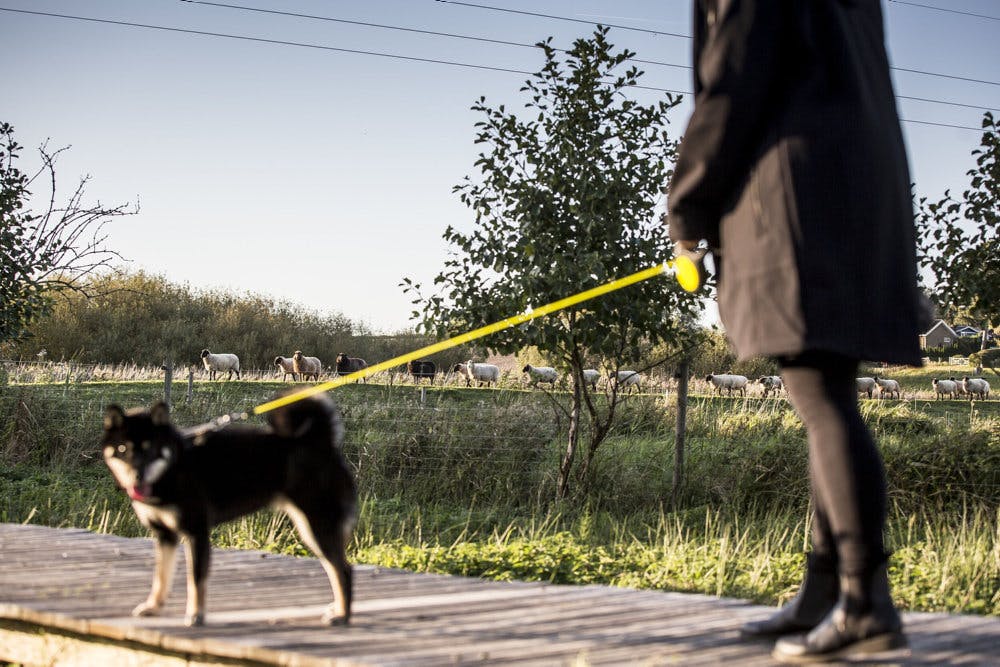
(681, 429)
(190, 391)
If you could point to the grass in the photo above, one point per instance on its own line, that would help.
(461, 482)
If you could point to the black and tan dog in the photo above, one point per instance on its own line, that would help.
(182, 486)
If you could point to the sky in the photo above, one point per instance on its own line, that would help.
(324, 176)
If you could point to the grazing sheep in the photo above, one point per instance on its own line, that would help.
(481, 373)
(347, 365)
(538, 374)
(976, 387)
(460, 369)
(285, 365)
(771, 383)
(887, 386)
(866, 386)
(944, 387)
(729, 382)
(422, 369)
(591, 376)
(215, 363)
(627, 380)
(306, 366)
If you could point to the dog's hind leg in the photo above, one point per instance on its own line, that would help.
(328, 538)
(166, 555)
(199, 553)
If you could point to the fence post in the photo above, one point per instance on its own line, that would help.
(681, 429)
(168, 380)
(423, 396)
(190, 391)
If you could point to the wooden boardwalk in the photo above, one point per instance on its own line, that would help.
(66, 594)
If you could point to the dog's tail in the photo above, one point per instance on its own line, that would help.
(315, 418)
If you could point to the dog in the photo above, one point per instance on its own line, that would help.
(182, 485)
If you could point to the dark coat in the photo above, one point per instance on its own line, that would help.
(793, 167)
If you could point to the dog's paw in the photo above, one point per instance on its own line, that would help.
(334, 618)
(147, 608)
(194, 620)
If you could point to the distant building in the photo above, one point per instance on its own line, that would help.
(938, 335)
(966, 331)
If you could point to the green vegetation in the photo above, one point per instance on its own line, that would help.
(465, 482)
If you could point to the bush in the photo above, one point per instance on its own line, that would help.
(986, 358)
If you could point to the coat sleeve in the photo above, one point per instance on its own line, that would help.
(738, 71)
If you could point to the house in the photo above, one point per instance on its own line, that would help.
(938, 335)
(966, 331)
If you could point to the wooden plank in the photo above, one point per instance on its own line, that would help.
(79, 589)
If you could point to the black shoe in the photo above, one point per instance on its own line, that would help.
(816, 597)
(863, 621)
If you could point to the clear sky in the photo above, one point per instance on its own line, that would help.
(324, 177)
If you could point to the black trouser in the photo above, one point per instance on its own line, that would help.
(847, 480)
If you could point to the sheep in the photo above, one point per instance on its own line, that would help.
(976, 387)
(538, 374)
(866, 386)
(729, 382)
(215, 363)
(421, 369)
(285, 365)
(347, 365)
(306, 366)
(627, 380)
(944, 387)
(887, 386)
(771, 383)
(461, 369)
(591, 376)
(481, 373)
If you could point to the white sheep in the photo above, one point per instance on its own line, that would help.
(481, 373)
(866, 386)
(944, 387)
(286, 366)
(771, 383)
(628, 380)
(729, 382)
(306, 366)
(215, 363)
(591, 376)
(887, 387)
(538, 374)
(976, 387)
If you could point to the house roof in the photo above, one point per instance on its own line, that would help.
(966, 329)
(940, 323)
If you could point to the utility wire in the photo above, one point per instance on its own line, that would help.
(500, 41)
(655, 32)
(322, 47)
(943, 9)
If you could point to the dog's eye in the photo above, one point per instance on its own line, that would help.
(121, 449)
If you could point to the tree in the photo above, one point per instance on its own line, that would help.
(959, 241)
(565, 201)
(42, 254)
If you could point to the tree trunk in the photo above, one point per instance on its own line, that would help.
(681, 429)
(573, 439)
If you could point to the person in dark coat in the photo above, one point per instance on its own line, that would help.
(793, 169)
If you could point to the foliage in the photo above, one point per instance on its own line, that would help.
(962, 347)
(43, 254)
(565, 202)
(960, 240)
(144, 319)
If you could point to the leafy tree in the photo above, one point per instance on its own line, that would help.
(565, 202)
(42, 254)
(960, 240)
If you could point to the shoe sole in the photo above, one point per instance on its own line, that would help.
(889, 641)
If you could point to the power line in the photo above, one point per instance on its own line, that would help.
(495, 41)
(656, 32)
(943, 9)
(322, 47)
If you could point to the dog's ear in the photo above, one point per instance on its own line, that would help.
(114, 418)
(160, 414)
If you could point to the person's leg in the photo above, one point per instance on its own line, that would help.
(848, 484)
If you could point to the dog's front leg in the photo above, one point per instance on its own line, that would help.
(166, 555)
(199, 551)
